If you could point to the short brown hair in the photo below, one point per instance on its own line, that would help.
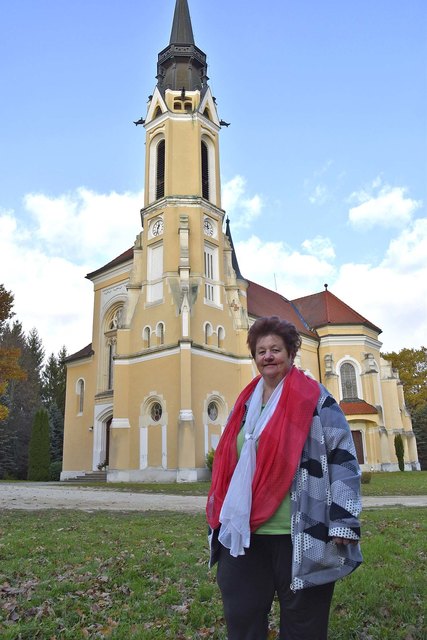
(274, 325)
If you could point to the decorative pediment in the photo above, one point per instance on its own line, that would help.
(208, 108)
(157, 107)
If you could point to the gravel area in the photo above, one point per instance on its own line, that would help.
(32, 496)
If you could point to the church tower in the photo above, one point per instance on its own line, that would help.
(170, 315)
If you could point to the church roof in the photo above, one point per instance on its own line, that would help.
(182, 31)
(182, 66)
(86, 352)
(264, 302)
(123, 257)
(324, 308)
(357, 407)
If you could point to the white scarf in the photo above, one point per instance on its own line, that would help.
(236, 510)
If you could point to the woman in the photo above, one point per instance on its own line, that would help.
(284, 500)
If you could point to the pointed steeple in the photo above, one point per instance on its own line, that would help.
(182, 66)
(182, 31)
(233, 252)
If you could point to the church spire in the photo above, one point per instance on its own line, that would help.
(182, 31)
(182, 66)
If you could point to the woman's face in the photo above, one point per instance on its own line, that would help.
(272, 358)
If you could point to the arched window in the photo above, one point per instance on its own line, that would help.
(220, 334)
(205, 170)
(157, 113)
(160, 331)
(207, 332)
(160, 170)
(147, 337)
(348, 381)
(81, 395)
(111, 354)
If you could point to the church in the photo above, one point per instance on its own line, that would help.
(150, 396)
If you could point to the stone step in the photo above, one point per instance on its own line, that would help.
(89, 476)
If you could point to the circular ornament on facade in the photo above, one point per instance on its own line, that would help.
(156, 411)
(208, 227)
(157, 228)
(212, 411)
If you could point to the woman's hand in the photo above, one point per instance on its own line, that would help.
(344, 541)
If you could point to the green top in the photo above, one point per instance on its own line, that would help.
(280, 521)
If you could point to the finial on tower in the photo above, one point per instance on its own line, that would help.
(182, 31)
(182, 64)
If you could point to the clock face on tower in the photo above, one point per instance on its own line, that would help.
(157, 228)
(208, 227)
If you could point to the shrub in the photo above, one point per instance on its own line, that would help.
(55, 470)
(366, 477)
(400, 451)
(210, 458)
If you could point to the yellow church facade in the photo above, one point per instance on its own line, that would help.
(150, 396)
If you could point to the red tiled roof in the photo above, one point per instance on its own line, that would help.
(86, 352)
(123, 257)
(264, 302)
(354, 407)
(324, 308)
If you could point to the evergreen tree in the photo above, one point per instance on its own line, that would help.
(53, 393)
(56, 423)
(400, 451)
(22, 399)
(54, 380)
(39, 449)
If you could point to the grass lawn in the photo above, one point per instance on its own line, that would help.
(123, 576)
(408, 483)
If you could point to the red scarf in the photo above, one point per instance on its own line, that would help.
(279, 448)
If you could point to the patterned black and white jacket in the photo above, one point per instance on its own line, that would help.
(325, 501)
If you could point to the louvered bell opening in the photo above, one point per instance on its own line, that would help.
(205, 171)
(160, 173)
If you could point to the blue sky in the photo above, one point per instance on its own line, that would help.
(324, 166)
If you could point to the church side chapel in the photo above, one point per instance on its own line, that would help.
(150, 396)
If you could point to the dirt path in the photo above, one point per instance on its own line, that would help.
(32, 496)
(55, 496)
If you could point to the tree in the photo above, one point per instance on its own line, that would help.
(22, 400)
(412, 367)
(53, 394)
(39, 449)
(419, 425)
(9, 356)
(400, 451)
(54, 380)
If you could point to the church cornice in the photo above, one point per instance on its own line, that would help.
(350, 340)
(195, 202)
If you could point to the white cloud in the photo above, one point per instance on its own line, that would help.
(320, 247)
(275, 265)
(71, 235)
(382, 205)
(85, 225)
(393, 294)
(242, 209)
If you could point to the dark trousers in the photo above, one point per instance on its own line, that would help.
(249, 583)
